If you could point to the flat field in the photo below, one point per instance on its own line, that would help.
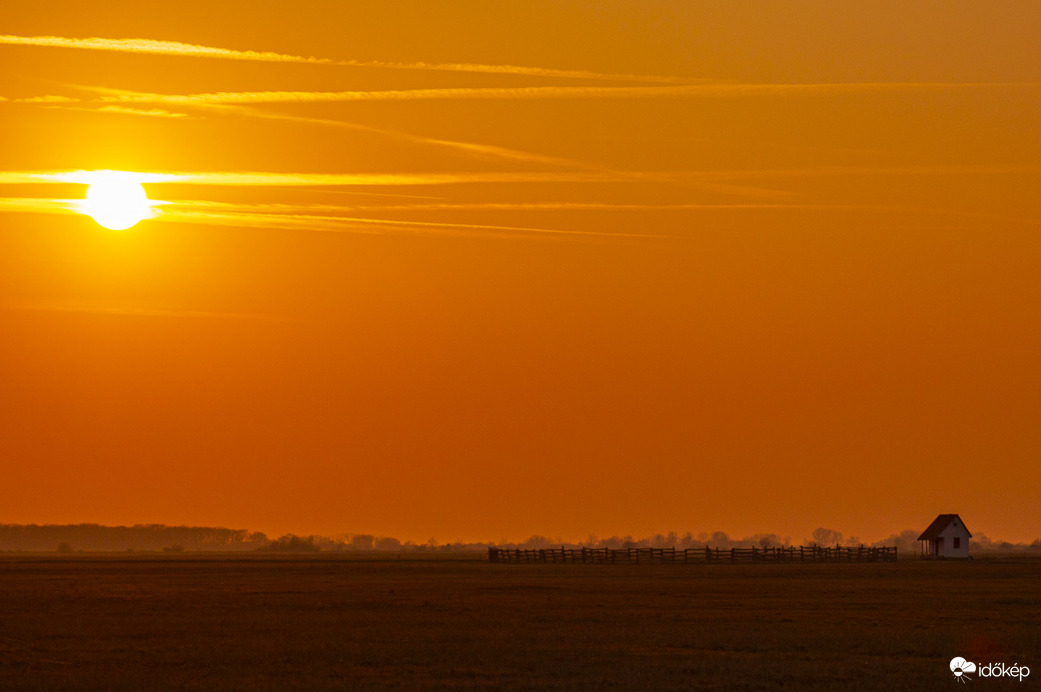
(330, 622)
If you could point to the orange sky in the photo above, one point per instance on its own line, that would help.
(504, 268)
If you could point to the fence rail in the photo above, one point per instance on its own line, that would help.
(812, 553)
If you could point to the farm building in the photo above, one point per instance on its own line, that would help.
(946, 537)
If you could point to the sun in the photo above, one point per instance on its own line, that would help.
(116, 200)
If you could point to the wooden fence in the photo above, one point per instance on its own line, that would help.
(613, 556)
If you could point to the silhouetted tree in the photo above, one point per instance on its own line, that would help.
(906, 541)
(825, 537)
(386, 543)
(292, 544)
(362, 541)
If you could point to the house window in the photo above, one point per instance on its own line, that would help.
(957, 542)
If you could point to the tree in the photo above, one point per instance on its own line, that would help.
(292, 544)
(825, 537)
(387, 543)
(362, 541)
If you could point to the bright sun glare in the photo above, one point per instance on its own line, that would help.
(116, 200)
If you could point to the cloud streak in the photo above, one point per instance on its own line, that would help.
(301, 217)
(242, 103)
(313, 222)
(122, 101)
(320, 179)
(264, 178)
(538, 93)
(289, 217)
(333, 180)
(149, 112)
(39, 205)
(154, 47)
(278, 208)
(334, 218)
(177, 48)
(472, 149)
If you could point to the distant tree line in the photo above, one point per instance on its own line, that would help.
(69, 538)
(72, 538)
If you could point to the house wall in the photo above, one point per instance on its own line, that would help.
(948, 535)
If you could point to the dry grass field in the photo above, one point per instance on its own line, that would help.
(328, 622)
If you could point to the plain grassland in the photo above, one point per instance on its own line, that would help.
(328, 622)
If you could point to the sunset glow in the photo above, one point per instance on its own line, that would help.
(482, 271)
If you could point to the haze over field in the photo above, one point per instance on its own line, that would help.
(154, 538)
(486, 270)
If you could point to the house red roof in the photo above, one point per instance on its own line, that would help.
(939, 524)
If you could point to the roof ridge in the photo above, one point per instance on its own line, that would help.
(939, 524)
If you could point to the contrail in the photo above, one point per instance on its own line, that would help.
(177, 48)
(261, 216)
(262, 178)
(539, 92)
(154, 47)
(468, 148)
(113, 99)
(370, 225)
(39, 205)
(281, 208)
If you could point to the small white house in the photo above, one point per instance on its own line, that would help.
(946, 537)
